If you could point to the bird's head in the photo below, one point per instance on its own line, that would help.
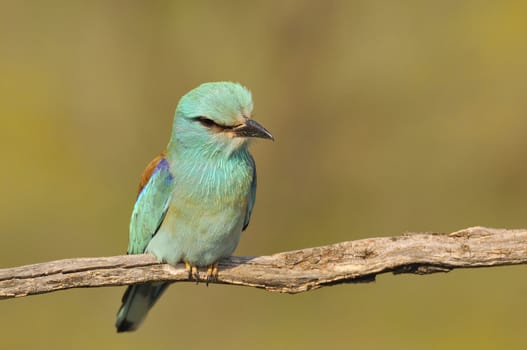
(216, 117)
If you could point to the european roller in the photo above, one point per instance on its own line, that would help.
(197, 196)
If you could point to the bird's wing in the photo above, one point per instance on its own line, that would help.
(155, 190)
(252, 198)
(147, 173)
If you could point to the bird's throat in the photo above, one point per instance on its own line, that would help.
(213, 176)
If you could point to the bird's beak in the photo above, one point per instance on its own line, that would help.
(251, 128)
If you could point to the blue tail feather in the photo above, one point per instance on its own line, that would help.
(137, 300)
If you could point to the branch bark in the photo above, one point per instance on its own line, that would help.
(290, 272)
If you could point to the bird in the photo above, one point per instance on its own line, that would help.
(196, 197)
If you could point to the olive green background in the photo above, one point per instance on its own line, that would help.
(389, 116)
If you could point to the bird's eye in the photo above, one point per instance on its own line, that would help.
(206, 122)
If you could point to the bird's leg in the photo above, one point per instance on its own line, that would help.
(193, 272)
(188, 268)
(212, 272)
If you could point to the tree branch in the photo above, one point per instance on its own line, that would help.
(289, 272)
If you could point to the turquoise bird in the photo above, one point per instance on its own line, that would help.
(196, 198)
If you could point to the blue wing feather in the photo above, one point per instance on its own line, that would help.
(150, 207)
(252, 197)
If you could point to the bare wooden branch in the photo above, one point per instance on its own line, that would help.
(289, 272)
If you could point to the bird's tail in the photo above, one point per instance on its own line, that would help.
(137, 300)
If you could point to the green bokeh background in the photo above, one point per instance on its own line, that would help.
(389, 116)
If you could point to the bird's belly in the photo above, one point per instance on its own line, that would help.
(199, 232)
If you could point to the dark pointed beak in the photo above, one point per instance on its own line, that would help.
(252, 128)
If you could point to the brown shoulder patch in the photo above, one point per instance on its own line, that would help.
(147, 173)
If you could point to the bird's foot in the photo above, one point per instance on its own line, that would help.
(193, 272)
(212, 273)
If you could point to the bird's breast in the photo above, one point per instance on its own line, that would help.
(206, 213)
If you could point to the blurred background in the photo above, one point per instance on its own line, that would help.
(389, 117)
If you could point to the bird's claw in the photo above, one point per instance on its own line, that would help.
(212, 273)
(193, 272)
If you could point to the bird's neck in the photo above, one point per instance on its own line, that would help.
(216, 174)
(207, 158)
